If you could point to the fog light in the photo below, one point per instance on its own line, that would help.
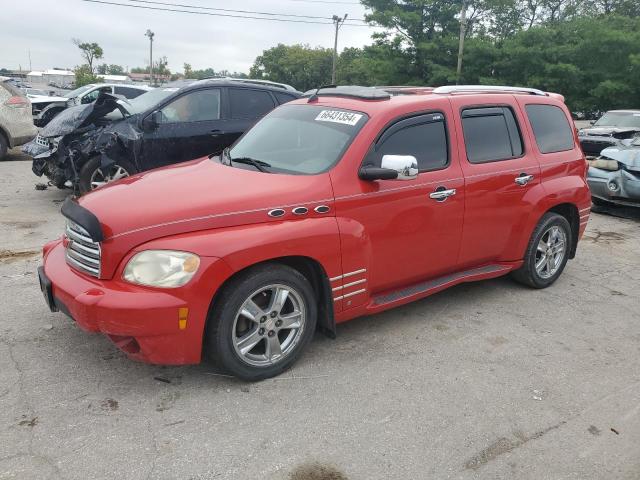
(613, 186)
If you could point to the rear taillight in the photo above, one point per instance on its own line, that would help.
(18, 102)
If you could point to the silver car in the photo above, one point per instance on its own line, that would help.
(16, 123)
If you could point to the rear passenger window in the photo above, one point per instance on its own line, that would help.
(283, 97)
(128, 92)
(550, 127)
(423, 137)
(491, 134)
(247, 103)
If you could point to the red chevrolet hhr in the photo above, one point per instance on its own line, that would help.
(344, 203)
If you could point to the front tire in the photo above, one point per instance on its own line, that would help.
(261, 322)
(92, 176)
(547, 252)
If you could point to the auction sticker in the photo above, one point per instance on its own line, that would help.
(338, 116)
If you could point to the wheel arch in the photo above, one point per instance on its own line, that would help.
(570, 212)
(313, 271)
(6, 136)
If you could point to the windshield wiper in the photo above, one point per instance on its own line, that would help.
(259, 164)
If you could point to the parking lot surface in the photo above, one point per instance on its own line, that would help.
(485, 380)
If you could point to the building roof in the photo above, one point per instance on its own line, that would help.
(35, 73)
(114, 78)
(54, 71)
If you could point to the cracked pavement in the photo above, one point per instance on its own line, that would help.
(485, 380)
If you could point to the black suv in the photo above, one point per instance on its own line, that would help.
(87, 146)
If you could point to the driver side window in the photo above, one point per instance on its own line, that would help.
(423, 137)
(93, 95)
(198, 106)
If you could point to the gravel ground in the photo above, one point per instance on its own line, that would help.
(485, 380)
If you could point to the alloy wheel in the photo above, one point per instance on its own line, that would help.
(99, 179)
(550, 252)
(269, 325)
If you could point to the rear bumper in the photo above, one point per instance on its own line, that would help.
(142, 322)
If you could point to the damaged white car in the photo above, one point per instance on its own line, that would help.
(614, 177)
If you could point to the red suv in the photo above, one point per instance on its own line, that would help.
(345, 203)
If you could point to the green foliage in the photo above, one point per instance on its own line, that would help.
(299, 65)
(84, 76)
(89, 52)
(105, 69)
(587, 50)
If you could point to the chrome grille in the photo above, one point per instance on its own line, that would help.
(44, 142)
(82, 253)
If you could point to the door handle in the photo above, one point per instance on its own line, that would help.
(442, 193)
(216, 133)
(523, 179)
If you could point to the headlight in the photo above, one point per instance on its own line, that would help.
(161, 268)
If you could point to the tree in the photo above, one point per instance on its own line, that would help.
(298, 65)
(113, 69)
(188, 72)
(84, 76)
(89, 52)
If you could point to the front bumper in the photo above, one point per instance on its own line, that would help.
(617, 186)
(142, 322)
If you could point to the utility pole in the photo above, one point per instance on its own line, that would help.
(338, 23)
(150, 34)
(463, 31)
(30, 70)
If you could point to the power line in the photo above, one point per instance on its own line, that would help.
(237, 11)
(273, 19)
(327, 1)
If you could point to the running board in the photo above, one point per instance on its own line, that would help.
(423, 289)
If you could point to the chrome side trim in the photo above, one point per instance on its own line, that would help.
(300, 210)
(347, 285)
(357, 292)
(321, 209)
(350, 274)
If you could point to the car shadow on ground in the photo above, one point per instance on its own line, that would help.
(630, 213)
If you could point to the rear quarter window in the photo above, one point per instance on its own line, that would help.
(283, 97)
(550, 127)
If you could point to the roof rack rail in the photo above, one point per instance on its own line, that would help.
(487, 88)
(352, 91)
(257, 81)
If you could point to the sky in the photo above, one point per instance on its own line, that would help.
(200, 40)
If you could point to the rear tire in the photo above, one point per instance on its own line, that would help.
(255, 330)
(4, 147)
(547, 252)
(92, 177)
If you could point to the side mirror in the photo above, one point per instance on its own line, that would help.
(591, 122)
(151, 122)
(392, 167)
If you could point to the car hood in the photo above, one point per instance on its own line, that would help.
(199, 195)
(79, 116)
(627, 155)
(609, 131)
(47, 99)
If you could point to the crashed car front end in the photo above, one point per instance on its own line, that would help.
(77, 135)
(615, 175)
(594, 140)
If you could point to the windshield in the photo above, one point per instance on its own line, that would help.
(77, 91)
(148, 100)
(619, 119)
(304, 139)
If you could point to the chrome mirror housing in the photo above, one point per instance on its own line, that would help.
(405, 165)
